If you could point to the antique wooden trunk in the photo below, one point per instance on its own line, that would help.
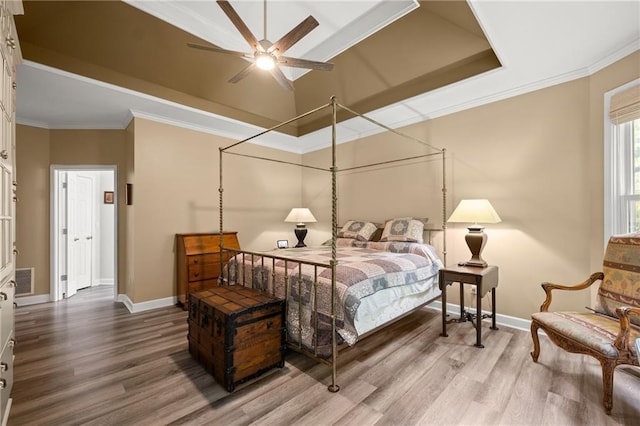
(236, 333)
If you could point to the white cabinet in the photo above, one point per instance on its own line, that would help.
(7, 291)
(10, 57)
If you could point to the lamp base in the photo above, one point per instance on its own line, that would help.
(301, 232)
(476, 239)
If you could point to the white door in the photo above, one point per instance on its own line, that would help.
(80, 202)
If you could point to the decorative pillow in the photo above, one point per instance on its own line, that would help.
(358, 230)
(403, 229)
(621, 283)
(424, 220)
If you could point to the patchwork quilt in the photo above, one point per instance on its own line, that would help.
(302, 277)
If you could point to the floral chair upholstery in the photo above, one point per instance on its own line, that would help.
(610, 332)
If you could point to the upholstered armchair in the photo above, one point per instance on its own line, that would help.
(609, 332)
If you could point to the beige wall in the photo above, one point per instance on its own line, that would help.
(537, 157)
(37, 151)
(525, 154)
(176, 191)
(528, 156)
(174, 173)
(379, 193)
(32, 208)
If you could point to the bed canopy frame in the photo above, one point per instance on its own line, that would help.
(333, 170)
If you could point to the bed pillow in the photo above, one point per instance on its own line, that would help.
(358, 230)
(403, 229)
(424, 220)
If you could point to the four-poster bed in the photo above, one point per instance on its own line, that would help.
(333, 292)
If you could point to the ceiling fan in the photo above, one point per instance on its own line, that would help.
(266, 55)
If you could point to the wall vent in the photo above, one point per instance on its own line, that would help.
(24, 281)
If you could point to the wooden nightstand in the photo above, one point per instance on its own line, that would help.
(484, 279)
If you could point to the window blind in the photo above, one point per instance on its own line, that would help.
(625, 105)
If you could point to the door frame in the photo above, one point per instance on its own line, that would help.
(55, 169)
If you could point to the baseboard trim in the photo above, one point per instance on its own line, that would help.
(32, 300)
(123, 298)
(146, 306)
(501, 319)
(504, 320)
(103, 281)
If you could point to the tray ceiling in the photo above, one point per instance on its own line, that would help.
(413, 60)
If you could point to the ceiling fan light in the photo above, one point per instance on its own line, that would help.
(265, 61)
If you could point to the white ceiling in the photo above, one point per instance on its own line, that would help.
(539, 43)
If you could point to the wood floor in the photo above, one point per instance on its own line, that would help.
(89, 361)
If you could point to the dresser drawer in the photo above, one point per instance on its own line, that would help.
(201, 285)
(203, 266)
(203, 259)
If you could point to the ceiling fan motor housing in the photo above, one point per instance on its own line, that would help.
(267, 55)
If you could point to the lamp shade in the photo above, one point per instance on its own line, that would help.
(474, 211)
(300, 215)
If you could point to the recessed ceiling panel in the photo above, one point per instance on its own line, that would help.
(342, 23)
(383, 51)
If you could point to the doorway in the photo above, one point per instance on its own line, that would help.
(83, 229)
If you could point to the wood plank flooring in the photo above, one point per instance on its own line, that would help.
(89, 361)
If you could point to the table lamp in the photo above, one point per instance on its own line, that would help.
(300, 215)
(475, 211)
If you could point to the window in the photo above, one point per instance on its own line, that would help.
(622, 160)
(627, 181)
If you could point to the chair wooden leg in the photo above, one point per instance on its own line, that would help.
(608, 367)
(536, 341)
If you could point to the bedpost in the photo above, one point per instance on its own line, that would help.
(444, 208)
(333, 387)
(220, 190)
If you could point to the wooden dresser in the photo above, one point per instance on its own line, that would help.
(198, 258)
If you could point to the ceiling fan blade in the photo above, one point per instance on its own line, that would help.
(293, 36)
(219, 50)
(281, 78)
(305, 63)
(242, 74)
(240, 25)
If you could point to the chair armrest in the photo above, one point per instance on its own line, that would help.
(548, 287)
(622, 342)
